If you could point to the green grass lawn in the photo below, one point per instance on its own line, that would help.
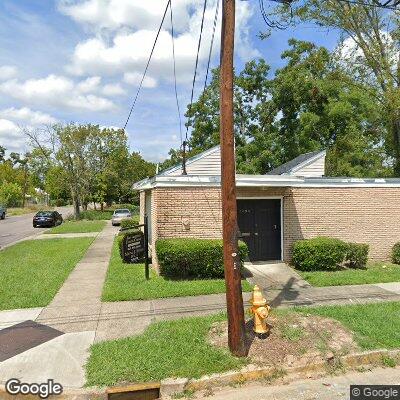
(374, 273)
(127, 282)
(166, 349)
(78, 227)
(376, 326)
(33, 271)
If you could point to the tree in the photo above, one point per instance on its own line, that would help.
(311, 104)
(2, 154)
(321, 108)
(10, 194)
(369, 50)
(93, 162)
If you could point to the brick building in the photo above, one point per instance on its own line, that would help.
(294, 201)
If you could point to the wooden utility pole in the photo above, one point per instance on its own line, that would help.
(236, 323)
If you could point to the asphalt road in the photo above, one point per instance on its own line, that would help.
(13, 229)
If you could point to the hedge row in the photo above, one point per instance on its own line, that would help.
(193, 258)
(324, 253)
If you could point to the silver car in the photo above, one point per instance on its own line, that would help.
(119, 215)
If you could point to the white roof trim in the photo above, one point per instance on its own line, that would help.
(264, 181)
(307, 162)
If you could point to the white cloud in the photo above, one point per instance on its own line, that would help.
(26, 115)
(11, 136)
(7, 72)
(134, 78)
(113, 89)
(117, 14)
(89, 85)
(57, 91)
(133, 26)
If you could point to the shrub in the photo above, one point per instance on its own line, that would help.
(193, 258)
(130, 222)
(320, 253)
(120, 239)
(357, 255)
(396, 253)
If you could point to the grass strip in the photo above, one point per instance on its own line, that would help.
(374, 273)
(78, 227)
(166, 349)
(33, 271)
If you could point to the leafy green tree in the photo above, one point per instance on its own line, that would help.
(320, 108)
(2, 154)
(369, 50)
(311, 104)
(94, 163)
(10, 194)
(56, 184)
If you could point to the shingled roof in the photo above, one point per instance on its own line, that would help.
(300, 161)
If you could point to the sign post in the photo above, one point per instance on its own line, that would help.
(135, 247)
(146, 247)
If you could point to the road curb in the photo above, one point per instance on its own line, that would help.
(313, 370)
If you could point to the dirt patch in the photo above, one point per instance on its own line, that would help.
(294, 340)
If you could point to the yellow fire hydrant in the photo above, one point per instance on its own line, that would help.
(260, 309)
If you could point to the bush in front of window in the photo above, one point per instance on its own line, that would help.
(320, 253)
(193, 258)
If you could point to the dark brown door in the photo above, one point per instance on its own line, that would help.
(260, 227)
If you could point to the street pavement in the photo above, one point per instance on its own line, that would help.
(16, 228)
(327, 388)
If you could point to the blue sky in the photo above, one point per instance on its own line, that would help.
(80, 61)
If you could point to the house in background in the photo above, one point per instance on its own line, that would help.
(294, 201)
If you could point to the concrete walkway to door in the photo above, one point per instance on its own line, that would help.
(274, 275)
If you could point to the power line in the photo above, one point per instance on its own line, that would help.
(173, 55)
(212, 43)
(275, 24)
(148, 63)
(196, 66)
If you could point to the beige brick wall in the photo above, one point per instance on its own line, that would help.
(369, 215)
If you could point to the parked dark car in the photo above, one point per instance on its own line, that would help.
(47, 219)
